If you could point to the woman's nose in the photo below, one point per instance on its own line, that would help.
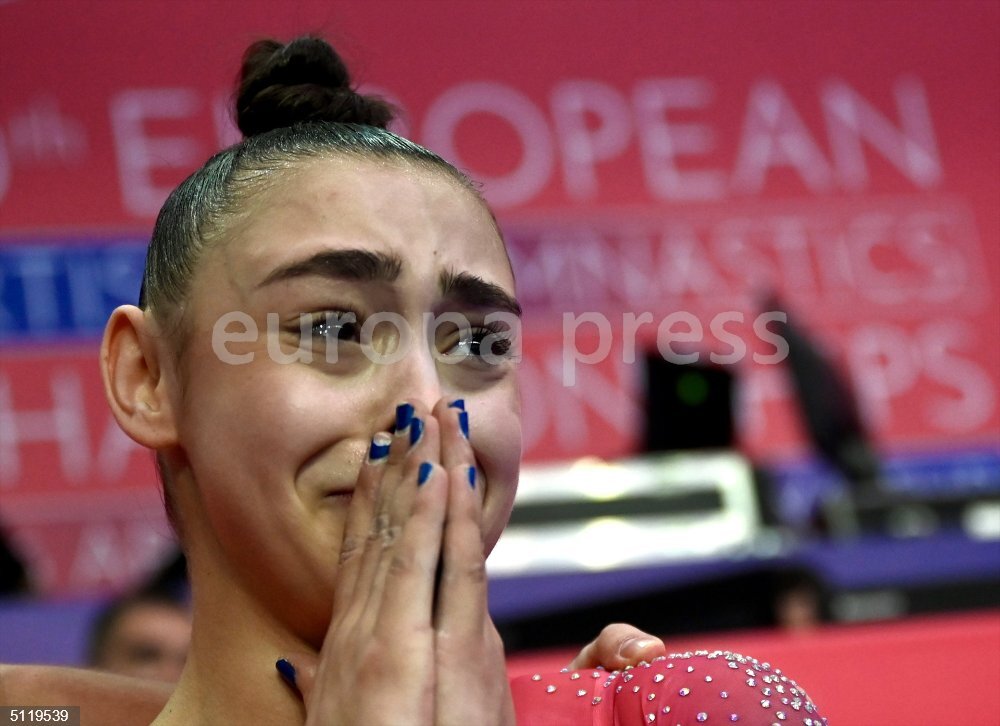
(416, 377)
(424, 380)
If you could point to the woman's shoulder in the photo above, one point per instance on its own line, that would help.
(682, 688)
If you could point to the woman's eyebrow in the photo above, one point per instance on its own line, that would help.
(352, 264)
(473, 291)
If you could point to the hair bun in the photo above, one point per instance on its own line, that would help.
(305, 80)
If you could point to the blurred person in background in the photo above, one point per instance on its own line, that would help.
(143, 635)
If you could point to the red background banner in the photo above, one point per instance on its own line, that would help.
(642, 158)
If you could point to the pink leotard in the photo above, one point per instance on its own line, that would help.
(700, 687)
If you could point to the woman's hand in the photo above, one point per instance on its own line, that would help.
(399, 646)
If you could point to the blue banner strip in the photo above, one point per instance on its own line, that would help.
(53, 291)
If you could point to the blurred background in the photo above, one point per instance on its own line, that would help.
(758, 248)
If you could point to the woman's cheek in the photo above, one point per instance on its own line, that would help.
(499, 428)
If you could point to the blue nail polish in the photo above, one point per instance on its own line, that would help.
(463, 423)
(416, 430)
(424, 473)
(378, 450)
(458, 403)
(472, 477)
(404, 415)
(287, 671)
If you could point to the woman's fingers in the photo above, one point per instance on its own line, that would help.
(369, 522)
(410, 567)
(461, 599)
(617, 646)
(458, 458)
(360, 515)
(456, 449)
(394, 517)
(461, 606)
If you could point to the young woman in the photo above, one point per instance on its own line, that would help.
(323, 360)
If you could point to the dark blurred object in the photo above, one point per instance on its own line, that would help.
(170, 580)
(13, 574)
(828, 406)
(688, 407)
(830, 412)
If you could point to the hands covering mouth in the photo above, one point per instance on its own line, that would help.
(411, 578)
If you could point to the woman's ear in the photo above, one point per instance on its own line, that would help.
(134, 380)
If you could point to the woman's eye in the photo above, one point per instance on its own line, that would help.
(340, 326)
(489, 345)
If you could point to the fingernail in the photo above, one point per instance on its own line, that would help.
(404, 414)
(416, 430)
(458, 403)
(380, 447)
(424, 473)
(463, 423)
(634, 647)
(472, 477)
(287, 671)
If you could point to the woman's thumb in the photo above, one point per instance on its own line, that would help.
(298, 670)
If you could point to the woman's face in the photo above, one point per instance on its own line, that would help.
(274, 441)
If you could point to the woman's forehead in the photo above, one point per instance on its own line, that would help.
(420, 217)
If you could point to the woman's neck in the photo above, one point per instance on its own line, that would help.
(229, 676)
